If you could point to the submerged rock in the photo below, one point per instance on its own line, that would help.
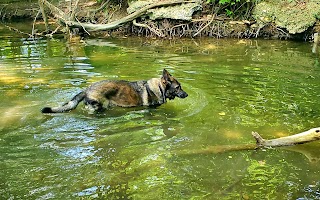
(179, 11)
(296, 17)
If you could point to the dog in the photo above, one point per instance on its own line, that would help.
(106, 93)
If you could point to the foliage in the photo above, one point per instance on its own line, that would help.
(234, 8)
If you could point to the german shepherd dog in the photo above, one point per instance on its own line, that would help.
(104, 94)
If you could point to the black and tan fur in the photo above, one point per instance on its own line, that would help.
(104, 94)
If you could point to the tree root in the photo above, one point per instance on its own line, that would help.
(67, 20)
(213, 16)
(204, 26)
(155, 31)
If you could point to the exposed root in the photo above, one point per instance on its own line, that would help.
(204, 26)
(154, 30)
(90, 18)
(216, 28)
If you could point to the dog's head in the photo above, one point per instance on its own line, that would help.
(172, 86)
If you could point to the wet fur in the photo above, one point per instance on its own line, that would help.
(104, 94)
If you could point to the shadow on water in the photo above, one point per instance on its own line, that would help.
(234, 87)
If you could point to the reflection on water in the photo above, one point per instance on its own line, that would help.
(234, 86)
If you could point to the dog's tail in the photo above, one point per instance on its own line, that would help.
(72, 104)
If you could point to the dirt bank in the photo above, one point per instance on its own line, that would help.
(280, 19)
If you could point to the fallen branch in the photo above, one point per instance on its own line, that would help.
(304, 137)
(112, 25)
(300, 138)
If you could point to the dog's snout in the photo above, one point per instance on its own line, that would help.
(183, 95)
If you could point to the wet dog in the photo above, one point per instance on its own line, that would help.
(103, 94)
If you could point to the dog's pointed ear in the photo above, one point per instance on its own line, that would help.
(166, 75)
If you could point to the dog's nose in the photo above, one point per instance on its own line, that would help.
(183, 95)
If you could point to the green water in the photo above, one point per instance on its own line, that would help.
(234, 86)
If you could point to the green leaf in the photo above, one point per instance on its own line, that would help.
(224, 1)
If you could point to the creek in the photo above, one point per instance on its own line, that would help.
(234, 86)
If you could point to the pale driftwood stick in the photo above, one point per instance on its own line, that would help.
(300, 138)
(304, 137)
(112, 25)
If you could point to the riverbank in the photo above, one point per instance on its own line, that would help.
(278, 19)
(18, 10)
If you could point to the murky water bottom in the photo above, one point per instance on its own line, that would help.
(235, 87)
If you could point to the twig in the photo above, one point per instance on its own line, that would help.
(18, 31)
(73, 14)
(44, 15)
(258, 31)
(53, 32)
(34, 22)
(282, 31)
(101, 7)
(83, 27)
